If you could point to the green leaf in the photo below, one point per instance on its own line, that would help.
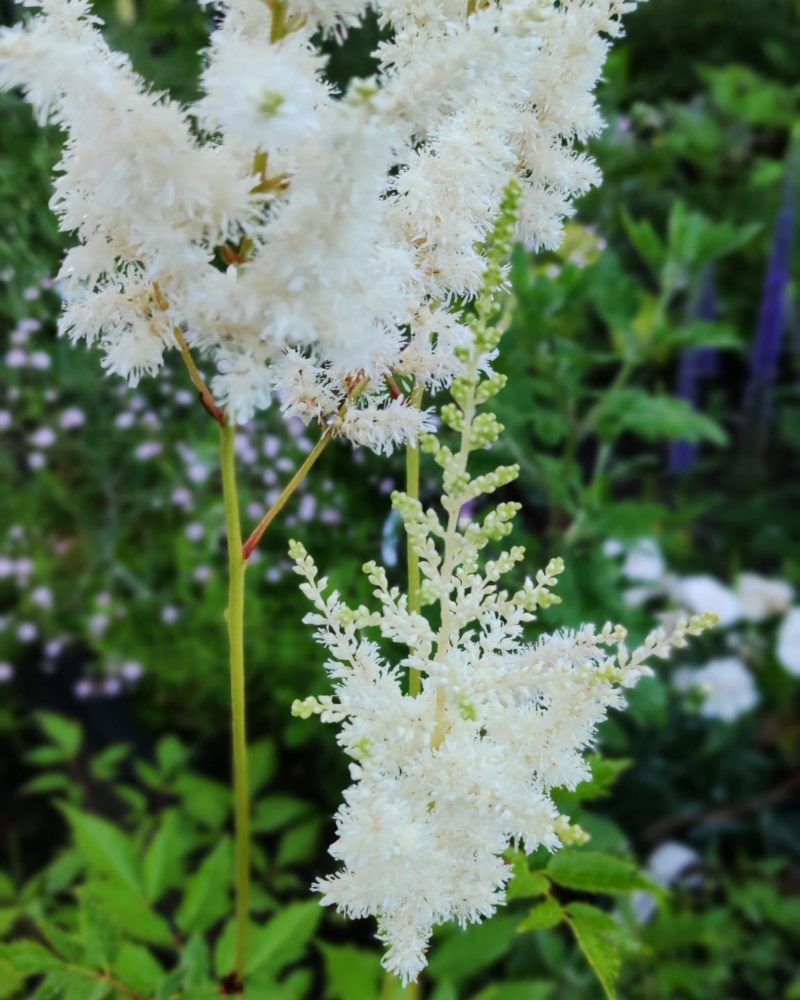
(104, 765)
(605, 773)
(171, 755)
(137, 968)
(524, 883)
(599, 938)
(64, 733)
(104, 848)
(206, 802)
(284, 938)
(262, 763)
(352, 973)
(101, 940)
(162, 867)
(542, 917)
(207, 896)
(277, 811)
(591, 871)
(299, 844)
(130, 912)
(195, 962)
(8, 917)
(64, 943)
(46, 784)
(656, 417)
(465, 953)
(29, 957)
(646, 240)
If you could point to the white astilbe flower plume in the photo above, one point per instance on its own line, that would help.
(444, 781)
(277, 221)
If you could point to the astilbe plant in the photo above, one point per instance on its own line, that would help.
(311, 246)
(450, 769)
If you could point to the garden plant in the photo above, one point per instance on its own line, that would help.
(351, 242)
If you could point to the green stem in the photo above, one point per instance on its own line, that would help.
(235, 619)
(412, 559)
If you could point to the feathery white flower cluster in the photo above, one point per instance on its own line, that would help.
(303, 239)
(443, 781)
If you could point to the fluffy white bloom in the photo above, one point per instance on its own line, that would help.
(274, 219)
(445, 778)
(761, 598)
(788, 645)
(726, 684)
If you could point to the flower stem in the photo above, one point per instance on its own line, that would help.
(291, 486)
(255, 535)
(235, 619)
(206, 398)
(412, 559)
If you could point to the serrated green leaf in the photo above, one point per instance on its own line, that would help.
(62, 942)
(195, 968)
(130, 912)
(101, 940)
(277, 811)
(104, 848)
(283, 938)
(352, 973)
(598, 936)
(137, 968)
(63, 732)
(525, 883)
(299, 844)
(162, 867)
(205, 801)
(29, 957)
(542, 917)
(591, 871)
(207, 893)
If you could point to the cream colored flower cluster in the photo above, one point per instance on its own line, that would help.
(444, 781)
(302, 239)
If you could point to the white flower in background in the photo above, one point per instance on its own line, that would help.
(760, 598)
(645, 561)
(346, 224)
(788, 644)
(727, 687)
(666, 865)
(703, 593)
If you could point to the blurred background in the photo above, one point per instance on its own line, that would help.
(654, 406)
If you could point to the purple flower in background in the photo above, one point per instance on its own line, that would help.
(774, 311)
(696, 363)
